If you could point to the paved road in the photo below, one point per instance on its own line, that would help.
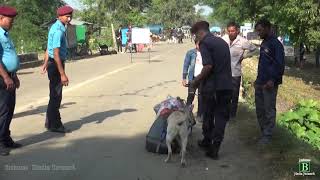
(108, 105)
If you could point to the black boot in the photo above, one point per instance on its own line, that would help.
(213, 151)
(204, 143)
(4, 151)
(11, 144)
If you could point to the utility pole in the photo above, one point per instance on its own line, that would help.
(113, 37)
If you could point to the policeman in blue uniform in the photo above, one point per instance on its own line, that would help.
(9, 81)
(57, 54)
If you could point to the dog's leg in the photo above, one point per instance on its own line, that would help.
(168, 141)
(178, 140)
(184, 143)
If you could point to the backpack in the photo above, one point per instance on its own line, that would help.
(156, 137)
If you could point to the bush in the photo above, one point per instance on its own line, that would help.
(248, 87)
(304, 121)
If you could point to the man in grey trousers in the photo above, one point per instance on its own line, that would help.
(270, 72)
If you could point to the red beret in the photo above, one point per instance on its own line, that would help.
(64, 10)
(8, 11)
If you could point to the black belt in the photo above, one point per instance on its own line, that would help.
(52, 59)
(11, 74)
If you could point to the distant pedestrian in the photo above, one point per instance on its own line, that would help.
(119, 38)
(300, 58)
(180, 36)
(129, 44)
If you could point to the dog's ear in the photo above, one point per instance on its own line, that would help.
(182, 101)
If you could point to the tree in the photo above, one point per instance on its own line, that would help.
(173, 13)
(299, 19)
(103, 12)
(140, 12)
(27, 31)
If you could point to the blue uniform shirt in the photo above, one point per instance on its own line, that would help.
(57, 39)
(8, 55)
(271, 61)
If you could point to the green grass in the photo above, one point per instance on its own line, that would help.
(285, 150)
(297, 84)
(283, 154)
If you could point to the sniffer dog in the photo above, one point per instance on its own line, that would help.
(178, 125)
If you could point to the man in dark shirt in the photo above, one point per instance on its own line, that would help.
(119, 38)
(215, 80)
(270, 72)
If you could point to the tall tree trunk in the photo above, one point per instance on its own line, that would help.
(317, 56)
(114, 37)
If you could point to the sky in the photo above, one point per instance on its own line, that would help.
(74, 3)
(206, 9)
(77, 5)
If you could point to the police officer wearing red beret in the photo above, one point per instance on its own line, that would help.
(9, 81)
(57, 54)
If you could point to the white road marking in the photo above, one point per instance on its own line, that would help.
(77, 86)
(72, 88)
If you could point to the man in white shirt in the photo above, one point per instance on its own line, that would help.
(198, 64)
(192, 67)
(237, 45)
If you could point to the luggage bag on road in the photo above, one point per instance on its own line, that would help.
(156, 137)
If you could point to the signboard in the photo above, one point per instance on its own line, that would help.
(252, 36)
(81, 33)
(141, 35)
(71, 36)
(288, 50)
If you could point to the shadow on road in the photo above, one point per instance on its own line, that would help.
(96, 117)
(74, 125)
(120, 157)
(108, 158)
(39, 110)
